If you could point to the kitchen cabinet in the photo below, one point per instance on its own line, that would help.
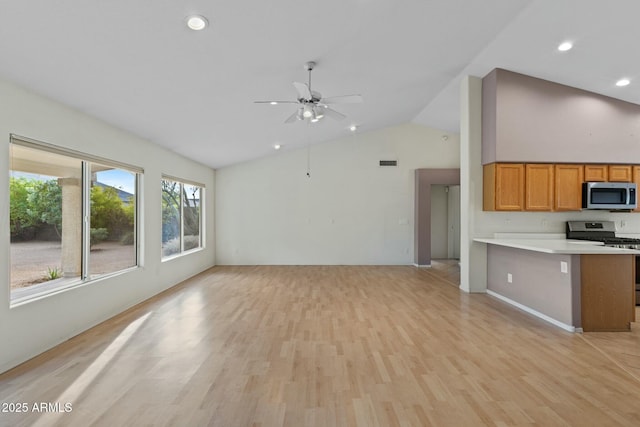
(620, 173)
(503, 187)
(568, 187)
(547, 187)
(635, 174)
(539, 187)
(607, 292)
(596, 173)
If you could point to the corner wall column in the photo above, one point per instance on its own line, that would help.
(473, 255)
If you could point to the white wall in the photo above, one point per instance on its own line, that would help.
(31, 328)
(351, 211)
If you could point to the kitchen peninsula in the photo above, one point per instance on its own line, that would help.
(577, 285)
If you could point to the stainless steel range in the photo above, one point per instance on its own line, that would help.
(605, 232)
(600, 231)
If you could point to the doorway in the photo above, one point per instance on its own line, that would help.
(425, 180)
(445, 222)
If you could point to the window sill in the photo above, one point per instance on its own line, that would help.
(181, 254)
(53, 287)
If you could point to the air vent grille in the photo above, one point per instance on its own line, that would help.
(388, 163)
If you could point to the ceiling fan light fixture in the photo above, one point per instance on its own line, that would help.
(197, 22)
(307, 112)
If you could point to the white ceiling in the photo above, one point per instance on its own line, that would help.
(136, 65)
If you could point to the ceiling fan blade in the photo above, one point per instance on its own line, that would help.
(275, 102)
(303, 90)
(292, 118)
(344, 99)
(333, 114)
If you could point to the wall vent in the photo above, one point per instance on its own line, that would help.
(388, 163)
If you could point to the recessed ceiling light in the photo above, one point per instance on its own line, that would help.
(277, 146)
(353, 128)
(197, 22)
(565, 46)
(274, 103)
(623, 82)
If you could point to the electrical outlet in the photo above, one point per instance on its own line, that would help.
(509, 278)
(564, 268)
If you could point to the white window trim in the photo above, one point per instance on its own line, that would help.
(85, 159)
(201, 220)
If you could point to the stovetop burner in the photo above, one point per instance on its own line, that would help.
(614, 240)
(600, 231)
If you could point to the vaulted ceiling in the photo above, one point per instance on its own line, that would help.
(137, 66)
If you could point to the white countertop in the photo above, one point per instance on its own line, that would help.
(558, 246)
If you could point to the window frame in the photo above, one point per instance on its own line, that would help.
(86, 160)
(201, 221)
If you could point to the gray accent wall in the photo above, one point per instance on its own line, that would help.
(425, 178)
(537, 281)
(526, 119)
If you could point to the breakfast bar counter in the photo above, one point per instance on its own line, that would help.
(574, 284)
(558, 246)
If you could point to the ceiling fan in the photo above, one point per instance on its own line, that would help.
(312, 106)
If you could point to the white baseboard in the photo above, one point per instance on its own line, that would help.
(536, 313)
(422, 266)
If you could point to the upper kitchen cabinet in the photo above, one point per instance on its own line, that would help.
(636, 178)
(503, 187)
(596, 173)
(620, 173)
(539, 187)
(529, 120)
(568, 187)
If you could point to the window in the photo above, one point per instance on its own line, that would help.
(51, 191)
(181, 217)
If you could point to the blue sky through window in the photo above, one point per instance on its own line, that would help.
(118, 178)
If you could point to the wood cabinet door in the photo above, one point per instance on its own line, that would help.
(636, 178)
(509, 186)
(539, 187)
(620, 173)
(606, 290)
(596, 173)
(568, 187)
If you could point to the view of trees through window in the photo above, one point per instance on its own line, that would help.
(181, 217)
(48, 248)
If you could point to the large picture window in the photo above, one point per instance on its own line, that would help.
(181, 217)
(52, 192)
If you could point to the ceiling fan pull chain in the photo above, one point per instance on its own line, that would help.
(309, 161)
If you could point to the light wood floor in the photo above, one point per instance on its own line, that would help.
(325, 346)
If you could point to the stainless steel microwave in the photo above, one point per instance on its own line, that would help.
(609, 195)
